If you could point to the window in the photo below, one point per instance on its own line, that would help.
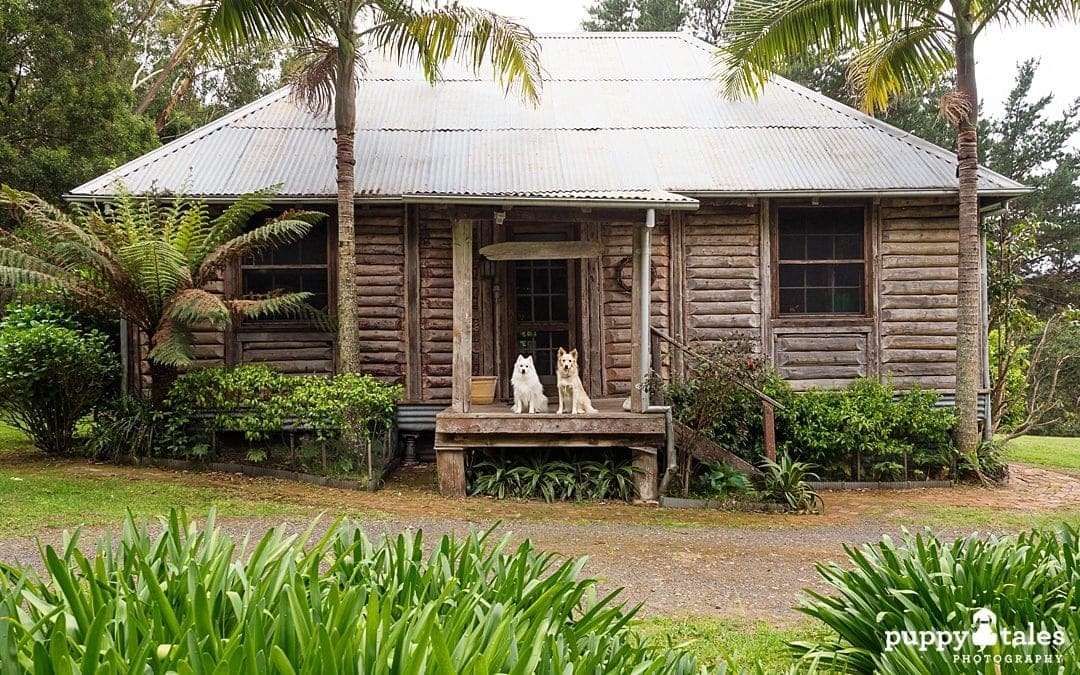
(301, 266)
(821, 260)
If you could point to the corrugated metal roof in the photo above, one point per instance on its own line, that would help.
(620, 115)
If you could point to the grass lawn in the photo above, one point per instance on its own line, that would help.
(1052, 451)
(743, 643)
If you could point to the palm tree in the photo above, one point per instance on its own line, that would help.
(899, 46)
(147, 262)
(333, 36)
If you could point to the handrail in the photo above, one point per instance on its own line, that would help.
(697, 355)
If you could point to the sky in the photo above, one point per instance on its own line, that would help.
(998, 51)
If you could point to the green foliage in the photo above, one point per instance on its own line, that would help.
(66, 104)
(187, 600)
(723, 481)
(148, 262)
(704, 18)
(848, 432)
(128, 426)
(926, 584)
(51, 376)
(785, 482)
(542, 478)
(1055, 379)
(260, 402)
(990, 457)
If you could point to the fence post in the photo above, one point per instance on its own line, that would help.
(769, 419)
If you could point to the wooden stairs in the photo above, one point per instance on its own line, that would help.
(704, 449)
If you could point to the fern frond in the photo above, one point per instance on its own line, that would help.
(289, 305)
(290, 227)
(157, 267)
(195, 306)
(234, 219)
(172, 345)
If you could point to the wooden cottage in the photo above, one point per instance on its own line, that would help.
(633, 198)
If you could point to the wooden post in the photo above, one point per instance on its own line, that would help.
(450, 464)
(639, 312)
(463, 315)
(413, 337)
(769, 419)
(646, 471)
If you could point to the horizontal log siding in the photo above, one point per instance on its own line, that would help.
(436, 305)
(723, 274)
(820, 359)
(919, 245)
(380, 282)
(617, 240)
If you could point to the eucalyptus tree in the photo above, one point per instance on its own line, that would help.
(334, 36)
(148, 262)
(897, 47)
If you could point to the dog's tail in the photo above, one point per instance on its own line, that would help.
(543, 402)
(590, 409)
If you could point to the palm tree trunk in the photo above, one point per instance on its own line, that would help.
(345, 122)
(969, 301)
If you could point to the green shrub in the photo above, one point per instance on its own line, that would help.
(549, 480)
(991, 457)
(129, 426)
(785, 482)
(866, 431)
(723, 481)
(1029, 581)
(51, 376)
(258, 401)
(188, 601)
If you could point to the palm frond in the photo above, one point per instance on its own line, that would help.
(290, 227)
(315, 82)
(762, 36)
(234, 24)
(908, 58)
(472, 36)
(1017, 12)
(196, 306)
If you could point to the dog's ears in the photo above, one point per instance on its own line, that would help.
(574, 353)
(529, 358)
(561, 352)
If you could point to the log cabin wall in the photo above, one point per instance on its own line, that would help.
(436, 315)
(380, 281)
(616, 234)
(918, 282)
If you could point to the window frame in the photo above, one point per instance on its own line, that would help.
(236, 279)
(821, 318)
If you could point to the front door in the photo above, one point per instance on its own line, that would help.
(544, 309)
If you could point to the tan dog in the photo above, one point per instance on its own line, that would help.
(571, 390)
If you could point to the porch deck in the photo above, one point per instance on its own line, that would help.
(496, 426)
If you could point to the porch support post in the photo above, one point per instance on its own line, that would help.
(639, 311)
(450, 465)
(645, 473)
(463, 315)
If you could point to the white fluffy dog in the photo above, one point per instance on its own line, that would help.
(528, 390)
(571, 391)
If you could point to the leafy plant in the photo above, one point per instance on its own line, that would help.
(148, 261)
(926, 584)
(50, 377)
(785, 482)
(991, 456)
(542, 478)
(723, 481)
(128, 426)
(188, 600)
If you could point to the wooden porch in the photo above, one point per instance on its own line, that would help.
(463, 426)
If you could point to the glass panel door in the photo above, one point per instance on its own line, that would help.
(542, 312)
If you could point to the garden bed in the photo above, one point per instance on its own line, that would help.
(721, 504)
(371, 484)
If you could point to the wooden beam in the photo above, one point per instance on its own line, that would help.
(646, 471)
(461, 391)
(413, 337)
(542, 250)
(677, 296)
(450, 464)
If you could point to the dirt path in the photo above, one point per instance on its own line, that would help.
(674, 562)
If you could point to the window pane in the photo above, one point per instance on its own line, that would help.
(818, 248)
(817, 275)
(792, 248)
(541, 280)
(524, 308)
(792, 301)
(541, 311)
(848, 275)
(558, 307)
(818, 300)
(792, 275)
(522, 279)
(286, 255)
(847, 300)
(849, 247)
(258, 282)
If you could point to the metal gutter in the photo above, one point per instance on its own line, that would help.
(594, 202)
(717, 194)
